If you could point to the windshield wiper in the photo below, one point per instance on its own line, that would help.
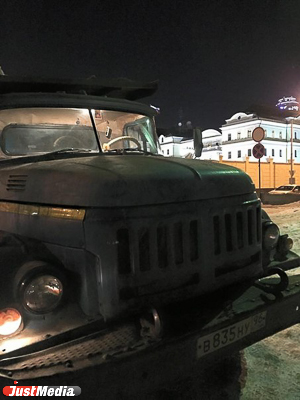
(45, 156)
(128, 150)
(72, 150)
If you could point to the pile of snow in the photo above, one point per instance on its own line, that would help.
(287, 217)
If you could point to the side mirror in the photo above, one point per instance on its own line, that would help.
(198, 145)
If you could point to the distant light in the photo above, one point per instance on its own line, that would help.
(288, 103)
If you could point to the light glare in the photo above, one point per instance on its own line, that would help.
(10, 321)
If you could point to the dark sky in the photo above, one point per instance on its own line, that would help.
(212, 57)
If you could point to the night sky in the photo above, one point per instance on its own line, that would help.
(212, 58)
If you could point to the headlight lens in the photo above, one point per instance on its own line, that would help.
(10, 321)
(271, 235)
(43, 293)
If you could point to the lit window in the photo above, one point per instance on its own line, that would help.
(229, 136)
(249, 152)
(229, 154)
(239, 153)
(280, 153)
(273, 152)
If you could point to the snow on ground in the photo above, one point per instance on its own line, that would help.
(287, 217)
(273, 365)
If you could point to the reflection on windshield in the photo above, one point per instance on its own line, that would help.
(35, 131)
(19, 139)
(119, 130)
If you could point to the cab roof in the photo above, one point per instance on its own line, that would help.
(118, 88)
(118, 95)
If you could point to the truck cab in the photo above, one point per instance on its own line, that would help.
(97, 228)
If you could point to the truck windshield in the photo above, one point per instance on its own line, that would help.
(34, 131)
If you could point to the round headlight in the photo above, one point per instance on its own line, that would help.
(271, 235)
(42, 294)
(10, 321)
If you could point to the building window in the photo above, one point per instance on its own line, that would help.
(273, 134)
(249, 152)
(229, 137)
(280, 153)
(265, 151)
(239, 153)
(295, 135)
(273, 152)
(280, 135)
(295, 153)
(162, 139)
(229, 154)
(249, 134)
(163, 151)
(239, 135)
(168, 152)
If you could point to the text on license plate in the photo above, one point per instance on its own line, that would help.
(231, 334)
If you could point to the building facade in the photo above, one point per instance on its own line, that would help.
(282, 137)
(180, 146)
(212, 144)
(235, 143)
(176, 146)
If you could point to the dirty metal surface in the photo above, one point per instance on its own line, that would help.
(119, 360)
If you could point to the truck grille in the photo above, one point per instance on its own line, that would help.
(236, 230)
(227, 239)
(159, 246)
(170, 252)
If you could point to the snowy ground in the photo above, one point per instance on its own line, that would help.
(273, 365)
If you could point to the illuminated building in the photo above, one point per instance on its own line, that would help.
(237, 142)
(173, 144)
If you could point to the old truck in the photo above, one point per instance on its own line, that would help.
(120, 267)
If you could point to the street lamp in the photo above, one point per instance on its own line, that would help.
(292, 179)
(292, 172)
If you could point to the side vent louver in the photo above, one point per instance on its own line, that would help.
(16, 183)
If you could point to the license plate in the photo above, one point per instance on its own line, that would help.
(223, 337)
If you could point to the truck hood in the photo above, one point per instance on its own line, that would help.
(120, 180)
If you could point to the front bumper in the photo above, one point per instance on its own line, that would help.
(196, 334)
